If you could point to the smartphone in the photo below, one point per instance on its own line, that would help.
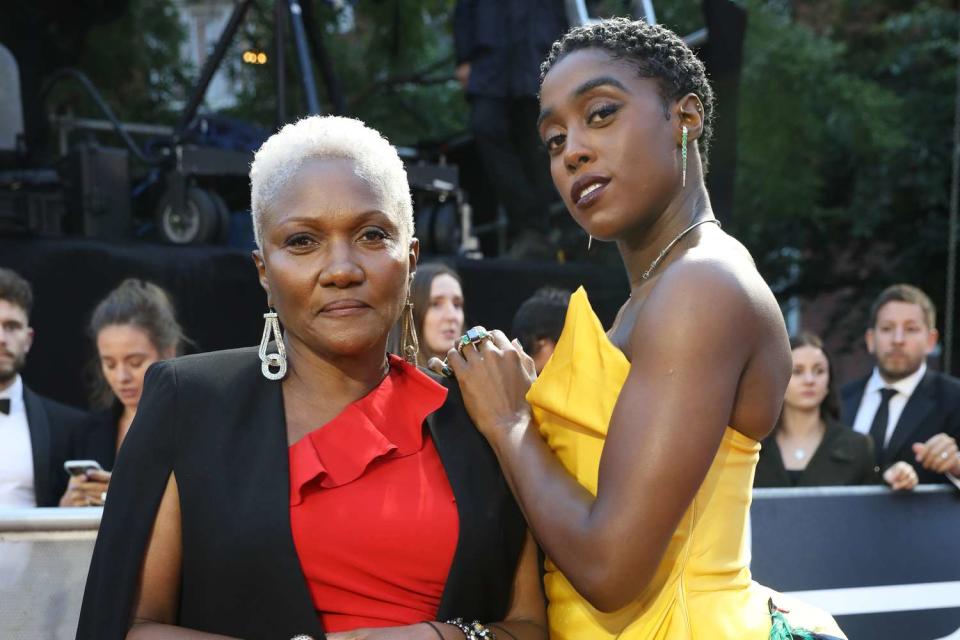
(80, 467)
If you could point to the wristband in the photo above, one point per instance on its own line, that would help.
(473, 630)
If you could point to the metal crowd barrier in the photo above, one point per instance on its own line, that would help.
(886, 564)
(44, 556)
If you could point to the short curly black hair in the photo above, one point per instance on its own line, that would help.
(655, 51)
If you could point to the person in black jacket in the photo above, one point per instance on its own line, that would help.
(499, 47)
(132, 327)
(808, 446)
(911, 412)
(255, 485)
(37, 434)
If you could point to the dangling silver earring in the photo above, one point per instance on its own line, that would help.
(271, 328)
(683, 154)
(409, 344)
(589, 242)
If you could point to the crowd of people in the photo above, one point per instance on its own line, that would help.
(375, 469)
(133, 327)
(817, 441)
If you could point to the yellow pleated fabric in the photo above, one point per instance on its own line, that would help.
(702, 588)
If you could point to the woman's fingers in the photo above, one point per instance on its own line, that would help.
(436, 365)
(500, 340)
(528, 364)
(456, 362)
(98, 475)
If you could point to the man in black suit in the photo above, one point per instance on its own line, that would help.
(912, 413)
(37, 435)
(499, 47)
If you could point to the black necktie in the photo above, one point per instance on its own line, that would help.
(878, 430)
(5, 406)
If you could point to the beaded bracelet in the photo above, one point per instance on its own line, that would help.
(473, 630)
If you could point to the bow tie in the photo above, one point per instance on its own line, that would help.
(5, 406)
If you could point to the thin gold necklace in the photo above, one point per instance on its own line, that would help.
(666, 249)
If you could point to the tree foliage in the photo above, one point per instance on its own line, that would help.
(393, 61)
(844, 131)
(845, 143)
(136, 63)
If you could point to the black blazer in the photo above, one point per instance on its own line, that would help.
(56, 435)
(933, 408)
(844, 457)
(100, 439)
(218, 424)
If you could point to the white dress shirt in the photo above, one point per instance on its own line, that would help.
(871, 401)
(16, 452)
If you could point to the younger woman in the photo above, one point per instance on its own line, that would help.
(133, 326)
(809, 447)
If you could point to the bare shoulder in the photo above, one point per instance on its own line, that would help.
(715, 291)
(719, 269)
(711, 311)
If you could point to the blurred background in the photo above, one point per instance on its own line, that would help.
(832, 160)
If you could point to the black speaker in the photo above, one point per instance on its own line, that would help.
(97, 188)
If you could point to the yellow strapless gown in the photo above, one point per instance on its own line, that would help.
(702, 588)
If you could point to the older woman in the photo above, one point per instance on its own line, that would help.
(133, 326)
(323, 486)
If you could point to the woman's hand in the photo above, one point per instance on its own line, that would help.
(494, 377)
(901, 476)
(86, 490)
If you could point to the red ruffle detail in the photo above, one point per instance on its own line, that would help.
(387, 423)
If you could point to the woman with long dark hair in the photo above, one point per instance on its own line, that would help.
(437, 296)
(134, 326)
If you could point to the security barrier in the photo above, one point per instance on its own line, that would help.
(44, 556)
(886, 564)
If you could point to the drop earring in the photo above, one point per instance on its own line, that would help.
(409, 343)
(589, 242)
(271, 329)
(683, 155)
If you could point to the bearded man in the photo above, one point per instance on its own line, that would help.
(37, 435)
(911, 412)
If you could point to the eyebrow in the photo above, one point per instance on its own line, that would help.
(363, 216)
(589, 85)
(602, 81)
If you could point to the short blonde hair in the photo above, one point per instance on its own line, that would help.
(376, 162)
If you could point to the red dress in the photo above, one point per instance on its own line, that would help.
(373, 516)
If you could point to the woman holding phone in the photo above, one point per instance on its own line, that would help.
(134, 326)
